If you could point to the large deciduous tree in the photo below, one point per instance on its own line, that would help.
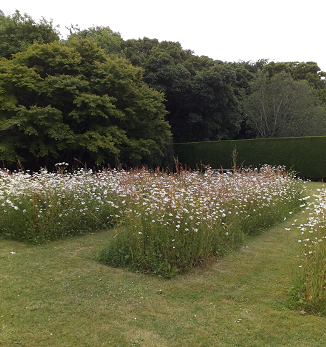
(59, 102)
(280, 106)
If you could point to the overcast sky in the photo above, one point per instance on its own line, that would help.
(228, 30)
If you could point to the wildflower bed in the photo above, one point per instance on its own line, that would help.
(309, 284)
(164, 223)
(46, 206)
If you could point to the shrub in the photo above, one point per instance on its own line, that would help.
(304, 155)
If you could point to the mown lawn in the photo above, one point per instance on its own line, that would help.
(57, 295)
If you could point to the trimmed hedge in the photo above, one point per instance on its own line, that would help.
(304, 155)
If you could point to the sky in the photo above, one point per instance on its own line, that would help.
(228, 30)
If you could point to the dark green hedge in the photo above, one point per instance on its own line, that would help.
(304, 155)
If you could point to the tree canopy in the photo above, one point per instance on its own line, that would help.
(200, 92)
(95, 96)
(280, 106)
(110, 41)
(19, 31)
(60, 102)
(205, 97)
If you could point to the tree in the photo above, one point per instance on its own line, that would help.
(280, 106)
(19, 31)
(200, 92)
(59, 102)
(210, 110)
(110, 41)
(308, 71)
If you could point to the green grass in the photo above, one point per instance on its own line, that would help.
(308, 289)
(56, 294)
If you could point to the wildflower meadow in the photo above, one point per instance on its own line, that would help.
(164, 223)
(46, 206)
(308, 292)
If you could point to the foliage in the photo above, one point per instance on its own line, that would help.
(174, 223)
(308, 291)
(199, 91)
(19, 31)
(308, 71)
(280, 106)
(87, 113)
(212, 112)
(60, 102)
(212, 100)
(110, 41)
(304, 155)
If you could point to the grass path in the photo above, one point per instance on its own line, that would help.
(57, 295)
